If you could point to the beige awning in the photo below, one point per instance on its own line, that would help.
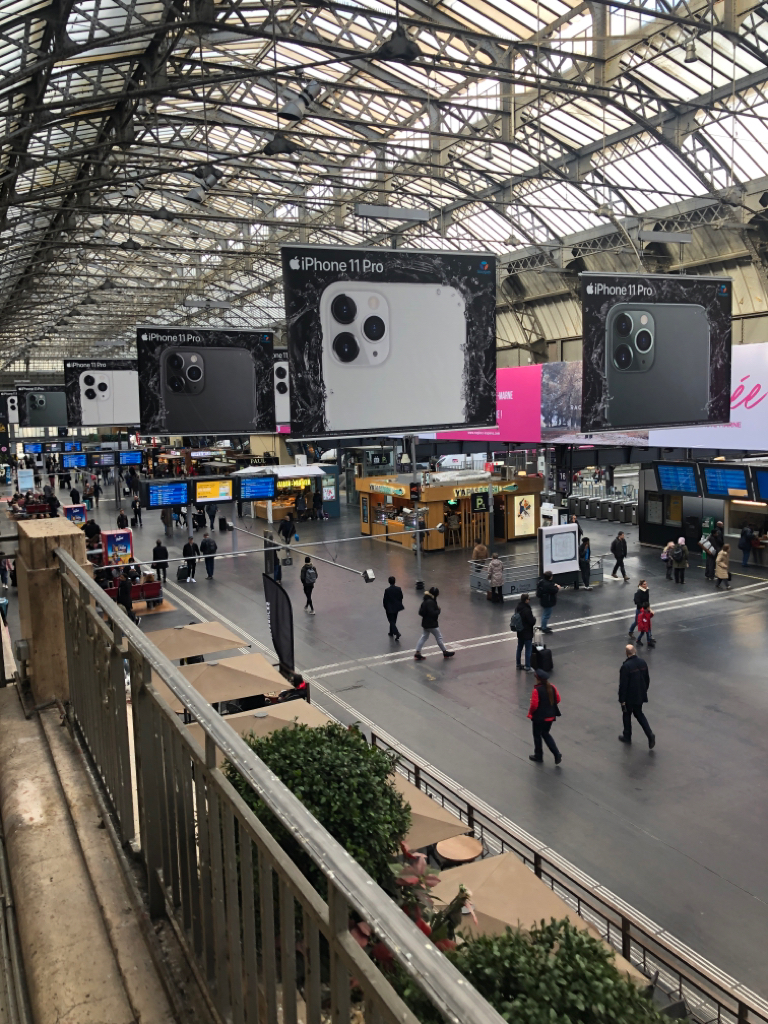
(430, 823)
(228, 679)
(266, 721)
(198, 638)
(507, 893)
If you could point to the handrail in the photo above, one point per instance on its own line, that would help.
(456, 999)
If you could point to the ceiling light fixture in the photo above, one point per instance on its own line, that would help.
(296, 107)
(690, 52)
(130, 245)
(280, 146)
(399, 47)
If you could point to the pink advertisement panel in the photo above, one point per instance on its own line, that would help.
(518, 409)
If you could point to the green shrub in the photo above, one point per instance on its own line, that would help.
(554, 974)
(345, 783)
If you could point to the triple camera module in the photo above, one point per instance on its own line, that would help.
(632, 341)
(367, 319)
(94, 389)
(185, 373)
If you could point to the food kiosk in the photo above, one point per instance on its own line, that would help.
(460, 505)
(291, 482)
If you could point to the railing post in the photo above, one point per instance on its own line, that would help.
(149, 775)
(626, 945)
(537, 864)
(743, 1013)
(338, 919)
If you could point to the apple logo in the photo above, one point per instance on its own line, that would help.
(295, 263)
(590, 289)
(143, 337)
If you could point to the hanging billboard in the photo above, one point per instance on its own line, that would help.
(656, 350)
(384, 340)
(200, 381)
(42, 405)
(9, 406)
(102, 392)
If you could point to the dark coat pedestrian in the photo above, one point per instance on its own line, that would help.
(619, 552)
(308, 576)
(125, 597)
(191, 552)
(634, 680)
(430, 619)
(547, 591)
(680, 559)
(122, 520)
(642, 596)
(542, 711)
(585, 553)
(393, 605)
(208, 548)
(160, 560)
(74, 496)
(716, 539)
(525, 634)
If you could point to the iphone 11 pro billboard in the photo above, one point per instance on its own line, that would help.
(389, 340)
(102, 392)
(200, 381)
(657, 350)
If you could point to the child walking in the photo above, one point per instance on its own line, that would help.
(644, 617)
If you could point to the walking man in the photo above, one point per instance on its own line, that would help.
(97, 491)
(136, 509)
(546, 591)
(212, 511)
(122, 520)
(430, 615)
(191, 552)
(208, 548)
(160, 560)
(308, 576)
(393, 605)
(619, 552)
(642, 596)
(286, 530)
(522, 622)
(634, 681)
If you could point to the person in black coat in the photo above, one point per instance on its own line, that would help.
(191, 552)
(642, 596)
(546, 591)
(430, 615)
(74, 496)
(716, 539)
(634, 681)
(124, 596)
(393, 604)
(525, 635)
(619, 552)
(208, 547)
(585, 553)
(160, 560)
(122, 520)
(136, 509)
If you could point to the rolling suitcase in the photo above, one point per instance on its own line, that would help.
(541, 657)
(182, 572)
(134, 522)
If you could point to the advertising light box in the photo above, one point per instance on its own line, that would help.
(370, 330)
(53, 446)
(164, 495)
(75, 460)
(132, 458)
(725, 481)
(101, 392)
(200, 381)
(212, 490)
(656, 350)
(677, 477)
(256, 488)
(559, 548)
(42, 405)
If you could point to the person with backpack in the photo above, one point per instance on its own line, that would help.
(208, 548)
(585, 553)
(393, 605)
(619, 552)
(722, 572)
(716, 540)
(546, 591)
(666, 557)
(642, 595)
(745, 544)
(634, 680)
(430, 615)
(542, 711)
(522, 622)
(496, 578)
(644, 616)
(191, 552)
(308, 577)
(680, 559)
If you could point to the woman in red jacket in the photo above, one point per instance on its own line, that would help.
(542, 713)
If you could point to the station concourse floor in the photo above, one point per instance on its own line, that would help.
(680, 833)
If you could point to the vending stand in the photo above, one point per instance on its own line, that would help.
(76, 514)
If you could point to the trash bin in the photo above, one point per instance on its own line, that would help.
(222, 524)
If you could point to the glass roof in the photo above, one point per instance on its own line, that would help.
(133, 170)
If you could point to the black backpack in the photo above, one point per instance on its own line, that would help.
(516, 622)
(677, 553)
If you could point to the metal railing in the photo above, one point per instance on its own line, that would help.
(264, 945)
(710, 994)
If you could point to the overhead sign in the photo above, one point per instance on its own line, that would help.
(195, 381)
(212, 490)
(395, 489)
(368, 330)
(294, 482)
(255, 488)
(163, 495)
(101, 392)
(479, 502)
(656, 350)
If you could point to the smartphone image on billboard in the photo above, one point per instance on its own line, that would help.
(46, 408)
(109, 397)
(657, 364)
(13, 408)
(392, 353)
(208, 390)
(282, 385)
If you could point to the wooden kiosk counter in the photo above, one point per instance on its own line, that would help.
(387, 504)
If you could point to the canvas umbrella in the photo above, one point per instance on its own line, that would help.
(228, 679)
(266, 721)
(197, 638)
(430, 823)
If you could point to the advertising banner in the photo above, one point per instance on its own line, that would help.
(195, 381)
(389, 340)
(42, 405)
(280, 617)
(656, 350)
(9, 406)
(102, 392)
(525, 524)
(75, 514)
(118, 547)
(748, 428)
(518, 403)
(212, 490)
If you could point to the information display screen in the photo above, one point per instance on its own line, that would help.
(53, 446)
(213, 490)
(163, 495)
(680, 477)
(75, 460)
(130, 458)
(726, 481)
(760, 476)
(73, 446)
(256, 488)
(102, 458)
(33, 449)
